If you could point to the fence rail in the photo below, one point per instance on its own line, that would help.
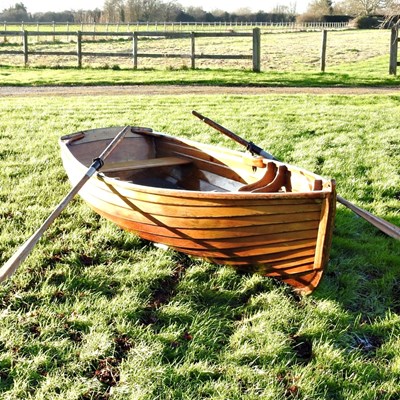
(135, 54)
(175, 26)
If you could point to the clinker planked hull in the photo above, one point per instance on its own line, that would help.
(210, 202)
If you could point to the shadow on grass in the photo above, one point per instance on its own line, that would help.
(202, 77)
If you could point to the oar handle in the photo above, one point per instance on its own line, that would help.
(20, 255)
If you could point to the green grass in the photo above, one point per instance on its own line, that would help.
(367, 73)
(97, 313)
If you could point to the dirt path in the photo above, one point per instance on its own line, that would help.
(176, 90)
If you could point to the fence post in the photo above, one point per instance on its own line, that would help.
(394, 41)
(256, 50)
(79, 48)
(135, 48)
(323, 49)
(25, 46)
(193, 50)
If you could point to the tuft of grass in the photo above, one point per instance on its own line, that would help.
(96, 313)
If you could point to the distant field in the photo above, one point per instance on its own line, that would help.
(292, 51)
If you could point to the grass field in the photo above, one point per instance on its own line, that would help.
(372, 72)
(97, 313)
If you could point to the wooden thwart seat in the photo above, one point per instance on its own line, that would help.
(147, 163)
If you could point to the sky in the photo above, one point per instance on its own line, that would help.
(208, 5)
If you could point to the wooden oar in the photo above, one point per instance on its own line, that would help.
(20, 255)
(384, 226)
(250, 146)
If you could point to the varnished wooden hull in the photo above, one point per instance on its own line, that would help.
(199, 208)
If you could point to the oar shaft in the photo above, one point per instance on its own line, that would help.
(385, 226)
(249, 145)
(22, 253)
(220, 128)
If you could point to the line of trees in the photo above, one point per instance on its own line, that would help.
(375, 11)
(356, 8)
(119, 11)
(19, 13)
(159, 10)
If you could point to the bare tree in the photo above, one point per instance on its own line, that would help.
(320, 7)
(170, 10)
(363, 7)
(150, 9)
(392, 7)
(392, 12)
(113, 11)
(133, 10)
(289, 9)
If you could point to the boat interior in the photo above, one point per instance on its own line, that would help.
(151, 159)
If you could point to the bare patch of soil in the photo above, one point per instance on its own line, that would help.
(176, 90)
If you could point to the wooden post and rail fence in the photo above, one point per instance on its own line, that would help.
(135, 54)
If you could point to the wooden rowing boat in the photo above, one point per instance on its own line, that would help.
(226, 206)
